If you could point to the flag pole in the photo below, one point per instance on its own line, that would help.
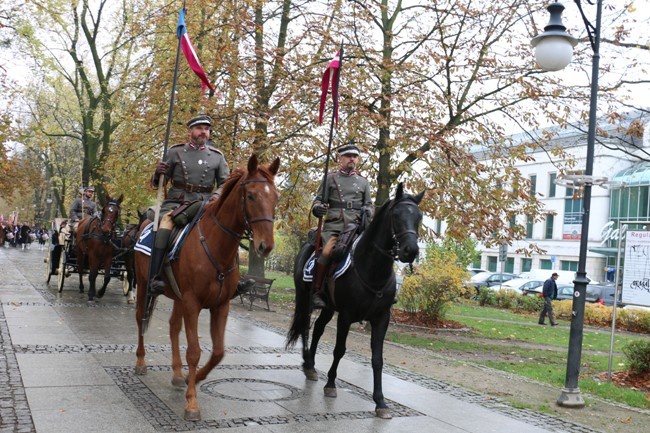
(335, 110)
(161, 183)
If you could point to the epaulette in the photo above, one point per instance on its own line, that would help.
(214, 149)
(176, 145)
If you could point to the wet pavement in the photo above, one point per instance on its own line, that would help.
(68, 367)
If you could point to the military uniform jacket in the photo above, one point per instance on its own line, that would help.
(193, 173)
(347, 194)
(78, 209)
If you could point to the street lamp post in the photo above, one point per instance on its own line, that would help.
(548, 42)
(48, 201)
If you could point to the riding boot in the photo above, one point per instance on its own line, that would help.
(318, 301)
(157, 284)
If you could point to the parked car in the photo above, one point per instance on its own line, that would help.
(565, 291)
(518, 285)
(488, 279)
(603, 295)
(474, 271)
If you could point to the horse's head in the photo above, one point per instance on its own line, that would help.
(260, 198)
(110, 214)
(405, 218)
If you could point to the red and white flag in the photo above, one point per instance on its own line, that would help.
(190, 52)
(331, 75)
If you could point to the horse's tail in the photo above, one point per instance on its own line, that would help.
(302, 313)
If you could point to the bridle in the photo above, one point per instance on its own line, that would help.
(393, 252)
(104, 219)
(247, 226)
(107, 209)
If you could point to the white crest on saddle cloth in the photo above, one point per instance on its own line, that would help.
(342, 266)
(145, 241)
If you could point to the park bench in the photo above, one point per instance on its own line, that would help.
(259, 290)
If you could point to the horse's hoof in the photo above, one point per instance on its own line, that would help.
(329, 392)
(101, 292)
(311, 374)
(91, 302)
(81, 290)
(178, 382)
(130, 301)
(383, 413)
(140, 370)
(192, 415)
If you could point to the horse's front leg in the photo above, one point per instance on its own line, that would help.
(218, 319)
(80, 269)
(342, 330)
(193, 355)
(140, 363)
(175, 326)
(107, 276)
(309, 354)
(379, 327)
(92, 278)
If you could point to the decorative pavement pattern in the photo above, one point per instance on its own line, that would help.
(15, 412)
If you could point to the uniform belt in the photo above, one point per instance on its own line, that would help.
(188, 187)
(346, 205)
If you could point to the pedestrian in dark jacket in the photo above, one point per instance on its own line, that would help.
(549, 291)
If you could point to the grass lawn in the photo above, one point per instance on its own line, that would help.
(515, 343)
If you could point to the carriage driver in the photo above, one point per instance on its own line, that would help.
(348, 197)
(193, 169)
(82, 206)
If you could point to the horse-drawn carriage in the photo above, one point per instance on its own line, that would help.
(63, 258)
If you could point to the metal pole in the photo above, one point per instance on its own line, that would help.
(570, 395)
(621, 231)
(161, 183)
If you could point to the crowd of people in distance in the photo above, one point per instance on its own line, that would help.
(22, 236)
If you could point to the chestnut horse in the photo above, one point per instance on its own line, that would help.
(206, 271)
(365, 291)
(94, 243)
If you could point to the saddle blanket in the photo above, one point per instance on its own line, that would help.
(145, 241)
(341, 267)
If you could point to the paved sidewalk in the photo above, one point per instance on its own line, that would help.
(67, 367)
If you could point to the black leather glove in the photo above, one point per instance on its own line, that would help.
(319, 210)
(161, 168)
(367, 211)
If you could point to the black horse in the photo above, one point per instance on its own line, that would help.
(366, 291)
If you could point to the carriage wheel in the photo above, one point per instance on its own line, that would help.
(61, 272)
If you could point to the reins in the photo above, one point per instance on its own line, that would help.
(221, 275)
(101, 236)
(393, 252)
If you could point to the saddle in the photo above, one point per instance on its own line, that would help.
(344, 242)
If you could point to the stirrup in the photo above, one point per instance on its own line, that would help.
(318, 302)
(156, 286)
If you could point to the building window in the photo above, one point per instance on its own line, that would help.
(492, 263)
(510, 265)
(526, 265)
(569, 265)
(551, 184)
(513, 221)
(533, 184)
(545, 264)
(548, 232)
(438, 226)
(529, 227)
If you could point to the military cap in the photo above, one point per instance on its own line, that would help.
(348, 149)
(89, 188)
(201, 119)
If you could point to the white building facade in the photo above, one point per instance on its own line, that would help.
(625, 197)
